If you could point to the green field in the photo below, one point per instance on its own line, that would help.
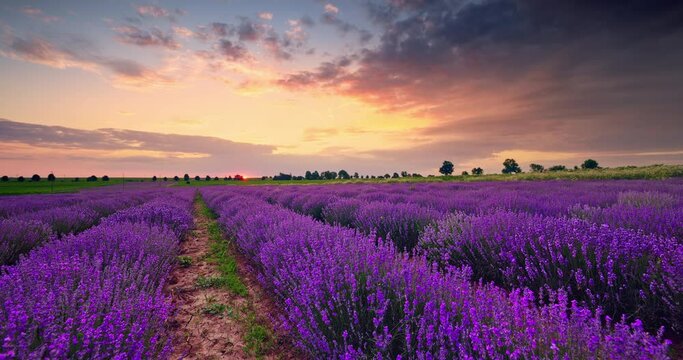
(629, 172)
(13, 187)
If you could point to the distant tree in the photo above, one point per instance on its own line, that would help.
(477, 171)
(576, 167)
(536, 168)
(176, 178)
(404, 174)
(315, 175)
(208, 178)
(92, 178)
(511, 166)
(373, 177)
(154, 178)
(197, 178)
(282, 176)
(5, 178)
(186, 177)
(165, 178)
(225, 178)
(216, 178)
(386, 176)
(417, 175)
(239, 177)
(589, 164)
(20, 179)
(395, 176)
(328, 175)
(308, 175)
(344, 175)
(230, 177)
(356, 176)
(446, 168)
(35, 177)
(464, 173)
(104, 178)
(51, 177)
(557, 168)
(77, 179)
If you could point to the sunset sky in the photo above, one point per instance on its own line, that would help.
(260, 87)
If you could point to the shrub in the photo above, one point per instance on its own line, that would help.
(35, 177)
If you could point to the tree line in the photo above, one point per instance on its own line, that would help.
(510, 166)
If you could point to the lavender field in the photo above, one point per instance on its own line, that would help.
(519, 270)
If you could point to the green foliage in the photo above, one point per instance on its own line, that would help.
(35, 177)
(344, 175)
(214, 308)
(511, 166)
(258, 340)
(51, 177)
(557, 168)
(184, 261)
(477, 171)
(446, 168)
(589, 164)
(537, 168)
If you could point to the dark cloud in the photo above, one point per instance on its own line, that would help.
(230, 51)
(331, 18)
(580, 76)
(248, 30)
(79, 54)
(134, 35)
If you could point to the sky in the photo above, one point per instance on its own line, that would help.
(221, 87)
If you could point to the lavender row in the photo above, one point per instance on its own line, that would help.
(650, 206)
(19, 234)
(621, 271)
(346, 296)
(98, 294)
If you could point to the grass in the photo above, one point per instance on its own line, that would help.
(66, 185)
(258, 338)
(185, 261)
(625, 172)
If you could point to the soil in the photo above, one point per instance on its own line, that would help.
(198, 335)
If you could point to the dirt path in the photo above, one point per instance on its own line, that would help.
(212, 321)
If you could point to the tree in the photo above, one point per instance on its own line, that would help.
(315, 175)
(404, 174)
(447, 168)
(239, 177)
(386, 176)
(343, 174)
(282, 176)
(225, 178)
(186, 177)
(154, 178)
(590, 164)
(92, 178)
(5, 178)
(511, 166)
(51, 177)
(104, 178)
(215, 178)
(35, 177)
(308, 175)
(464, 173)
(176, 178)
(355, 175)
(197, 178)
(20, 179)
(536, 168)
(165, 178)
(208, 178)
(557, 168)
(394, 176)
(477, 171)
(77, 179)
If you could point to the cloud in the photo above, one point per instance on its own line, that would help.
(330, 17)
(230, 51)
(331, 9)
(80, 55)
(266, 16)
(154, 11)
(501, 75)
(134, 35)
(38, 14)
(183, 32)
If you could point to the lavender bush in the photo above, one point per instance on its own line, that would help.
(20, 236)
